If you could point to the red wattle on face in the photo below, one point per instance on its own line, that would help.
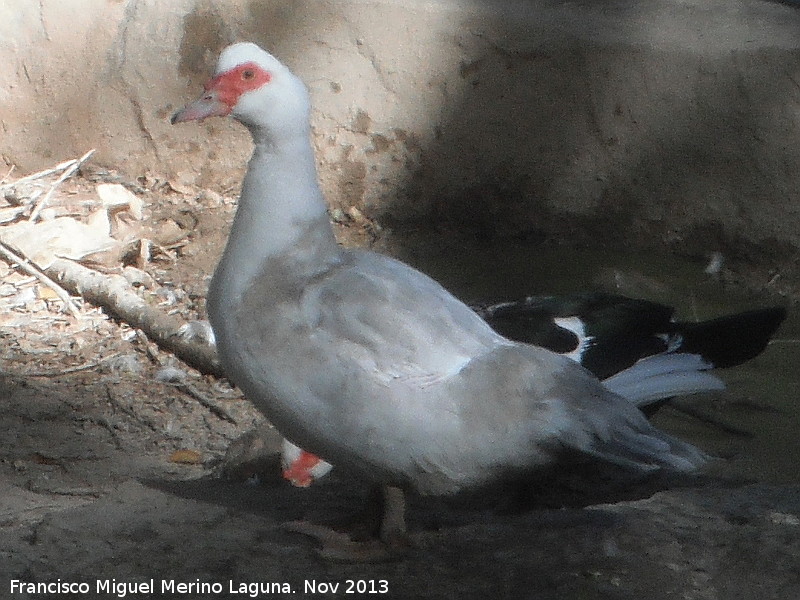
(230, 85)
(223, 92)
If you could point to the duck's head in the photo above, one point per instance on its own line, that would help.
(256, 89)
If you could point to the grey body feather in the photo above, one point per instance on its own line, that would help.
(373, 365)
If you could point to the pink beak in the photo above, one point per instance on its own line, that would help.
(207, 105)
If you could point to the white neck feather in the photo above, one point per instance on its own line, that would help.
(280, 200)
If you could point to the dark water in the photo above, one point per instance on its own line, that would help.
(763, 396)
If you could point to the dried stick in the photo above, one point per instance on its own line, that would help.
(62, 372)
(204, 400)
(71, 168)
(39, 174)
(7, 175)
(115, 295)
(30, 269)
(180, 382)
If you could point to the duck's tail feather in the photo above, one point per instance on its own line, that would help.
(663, 376)
(648, 449)
(731, 340)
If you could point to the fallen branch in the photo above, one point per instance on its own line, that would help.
(31, 269)
(115, 295)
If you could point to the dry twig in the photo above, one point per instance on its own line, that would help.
(7, 175)
(31, 269)
(71, 167)
(209, 403)
(62, 372)
(179, 381)
(38, 175)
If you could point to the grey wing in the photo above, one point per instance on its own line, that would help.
(525, 406)
(463, 401)
(396, 322)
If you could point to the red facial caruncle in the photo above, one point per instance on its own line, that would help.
(230, 85)
(223, 92)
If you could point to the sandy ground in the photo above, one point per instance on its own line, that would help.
(109, 487)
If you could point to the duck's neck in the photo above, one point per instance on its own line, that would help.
(281, 211)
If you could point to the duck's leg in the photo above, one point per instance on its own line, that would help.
(393, 539)
(393, 520)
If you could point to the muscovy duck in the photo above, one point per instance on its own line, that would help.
(364, 360)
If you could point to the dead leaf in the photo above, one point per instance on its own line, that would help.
(168, 232)
(186, 457)
(183, 189)
(43, 459)
(117, 197)
(63, 237)
(46, 293)
(100, 222)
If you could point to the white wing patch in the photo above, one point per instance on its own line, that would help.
(576, 326)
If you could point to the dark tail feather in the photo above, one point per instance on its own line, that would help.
(642, 447)
(734, 339)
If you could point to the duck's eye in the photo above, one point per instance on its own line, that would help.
(248, 74)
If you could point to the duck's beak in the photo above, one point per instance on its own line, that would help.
(207, 105)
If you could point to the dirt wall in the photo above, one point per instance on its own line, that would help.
(674, 118)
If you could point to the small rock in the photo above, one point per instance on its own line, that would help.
(714, 266)
(125, 363)
(24, 297)
(48, 214)
(167, 296)
(199, 331)
(779, 518)
(137, 277)
(338, 216)
(170, 375)
(357, 216)
(211, 198)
